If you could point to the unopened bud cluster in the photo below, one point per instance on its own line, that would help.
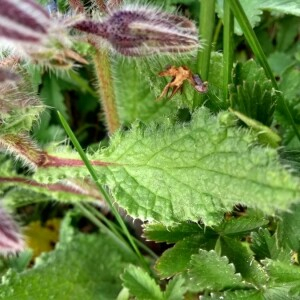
(140, 31)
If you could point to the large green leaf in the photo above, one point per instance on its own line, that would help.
(134, 92)
(87, 267)
(178, 172)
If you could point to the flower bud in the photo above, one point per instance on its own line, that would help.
(140, 31)
(10, 237)
(28, 30)
(22, 21)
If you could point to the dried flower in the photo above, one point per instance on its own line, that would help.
(140, 31)
(11, 240)
(179, 76)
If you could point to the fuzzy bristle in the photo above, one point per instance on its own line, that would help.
(142, 31)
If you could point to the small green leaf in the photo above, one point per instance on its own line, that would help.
(176, 259)
(140, 284)
(243, 260)
(266, 135)
(175, 289)
(170, 234)
(264, 245)
(290, 86)
(288, 228)
(252, 93)
(210, 272)
(284, 275)
(241, 225)
(288, 30)
(52, 95)
(279, 62)
(124, 294)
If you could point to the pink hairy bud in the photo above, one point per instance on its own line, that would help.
(10, 237)
(23, 21)
(28, 30)
(140, 31)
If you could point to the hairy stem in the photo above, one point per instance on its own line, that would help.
(108, 101)
(77, 5)
(101, 5)
(87, 190)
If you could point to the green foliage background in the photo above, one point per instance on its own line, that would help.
(214, 177)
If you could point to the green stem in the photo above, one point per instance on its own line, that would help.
(115, 228)
(206, 30)
(227, 48)
(102, 190)
(251, 38)
(103, 72)
(115, 235)
(216, 34)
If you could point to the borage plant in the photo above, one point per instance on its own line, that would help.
(188, 185)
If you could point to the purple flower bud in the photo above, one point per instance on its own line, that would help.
(140, 31)
(23, 21)
(27, 28)
(10, 237)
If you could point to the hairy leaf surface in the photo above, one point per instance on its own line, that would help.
(135, 95)
(88, 267)
(188, 171)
